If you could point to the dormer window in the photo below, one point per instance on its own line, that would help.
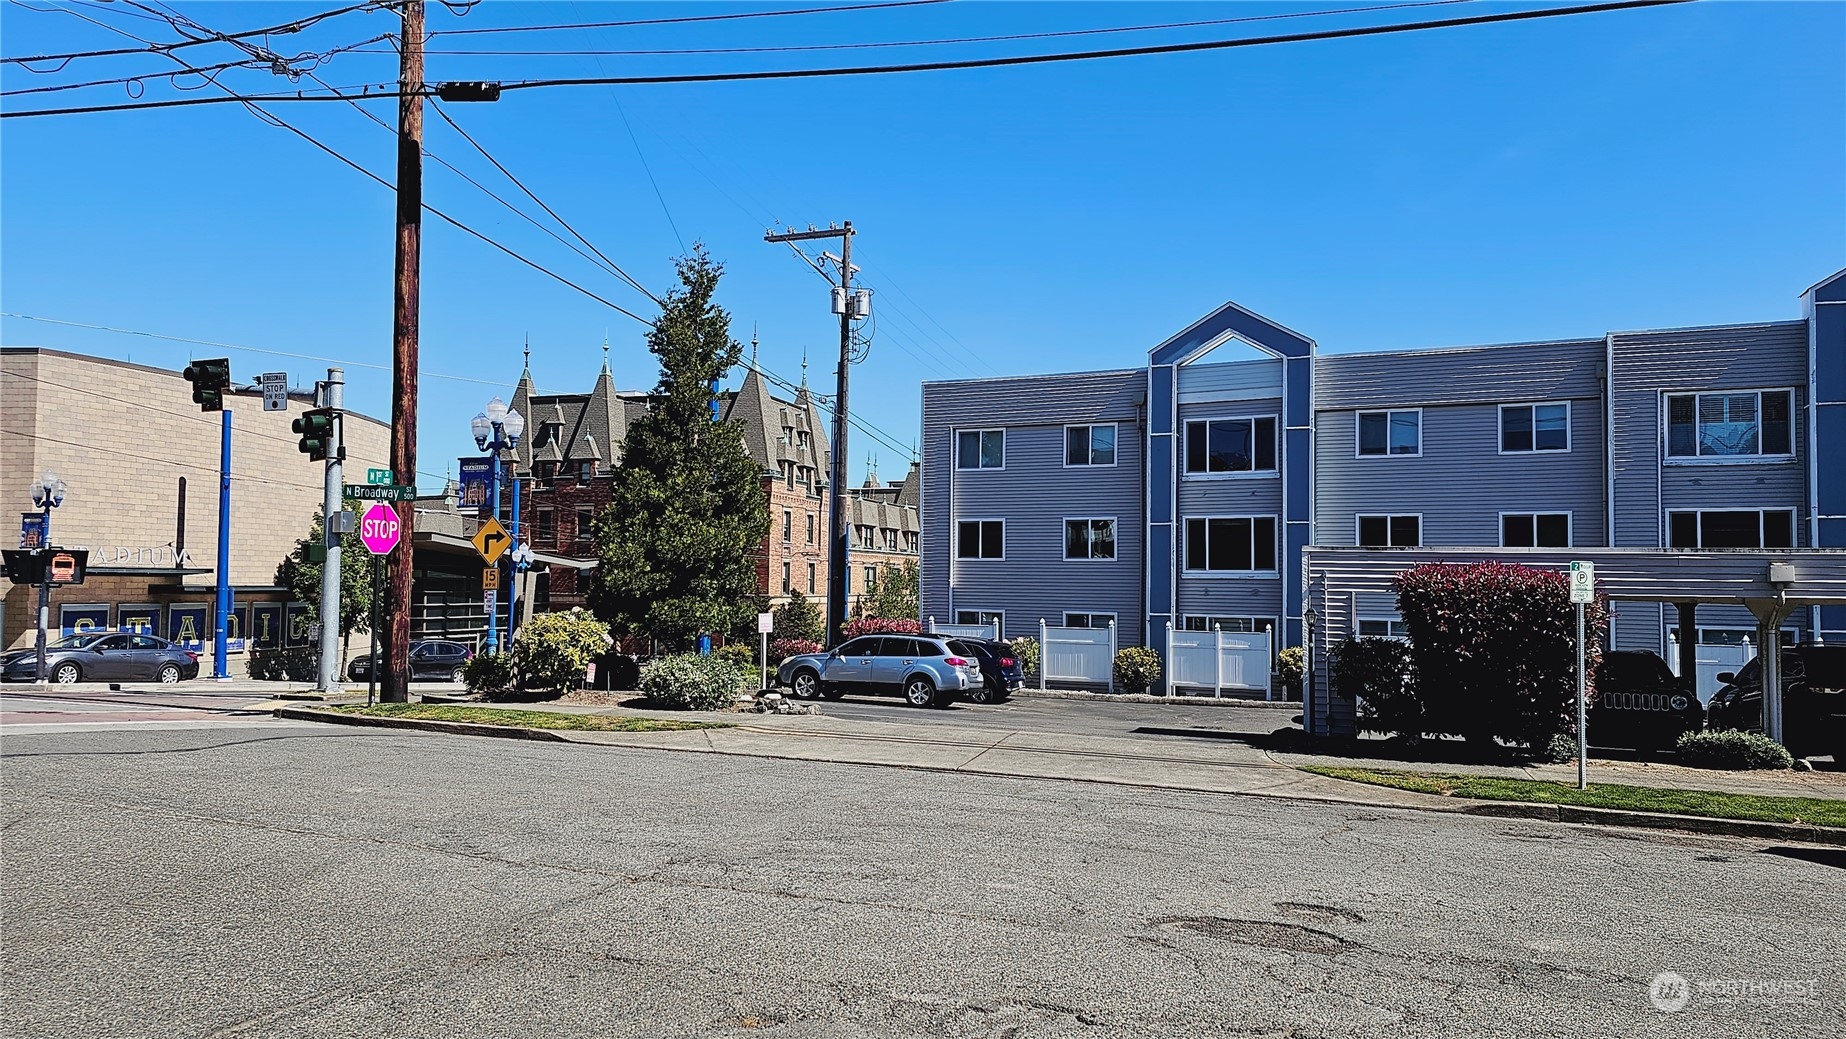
(585, 470)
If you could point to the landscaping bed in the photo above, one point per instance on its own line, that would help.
(518, 719)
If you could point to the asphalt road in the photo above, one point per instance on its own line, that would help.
(1080, 717)
(293, 880)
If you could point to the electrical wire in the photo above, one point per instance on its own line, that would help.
(149, 47)
(690, 18)
(318, 58)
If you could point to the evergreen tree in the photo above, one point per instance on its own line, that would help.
(677, 541)
(800, 619)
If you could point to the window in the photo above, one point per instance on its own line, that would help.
(1089, 445)
(1194, 622)
(786, 583)
(1089, 539)
(788, 475)
(1765, 528)
(1535, 529)
(994, 618)
(980, 449)
(1382, 628)
(810, 528)
(1088, 620)
(586, 525)
(1390, 531)
(810, 578)
(544, 525)
(1231, 544)
(547, 471)
(1390, 433)
(1730, 425)
(871, 580)
(980, 539)
(1232, 445)
(585, 470)
(1534, 427)
(788, 526)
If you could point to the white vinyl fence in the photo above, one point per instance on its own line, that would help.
(1712, 661)
(1237, 661)
(1085, 655)
(972, 631)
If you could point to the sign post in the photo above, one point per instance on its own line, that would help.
(1582, 593)
(765, 622)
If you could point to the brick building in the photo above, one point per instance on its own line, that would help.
(886, 530)
(789, 441)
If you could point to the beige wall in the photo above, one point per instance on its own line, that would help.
(121, 436)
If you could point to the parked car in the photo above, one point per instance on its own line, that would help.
(926, 670)
(104, 657)
(1641, 703)
(432, 660)
(1813, 700)
(1001, 672)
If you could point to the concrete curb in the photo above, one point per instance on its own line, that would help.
(1187, 701)
(1496, 809)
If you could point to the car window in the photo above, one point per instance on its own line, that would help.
(888, 646)
(963, 648)
(929, 648)
(420, 653)
(1750, 673)
(147, 642)
(863, 646)
(73, 642)
(113, 642)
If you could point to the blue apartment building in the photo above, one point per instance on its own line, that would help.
(1199, 490)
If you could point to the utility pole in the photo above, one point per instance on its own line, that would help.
(849, 306)
(405, 304)
(333, 531)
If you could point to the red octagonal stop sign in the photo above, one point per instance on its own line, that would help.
(379, 528)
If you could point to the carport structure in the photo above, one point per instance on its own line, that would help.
(1346, 583)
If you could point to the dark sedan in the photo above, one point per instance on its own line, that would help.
(1813, 700)
(434, 660)
(104, 657)
(1001, 672)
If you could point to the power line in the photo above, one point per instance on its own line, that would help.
(691, 18)
(150, 47)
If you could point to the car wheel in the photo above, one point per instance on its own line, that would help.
(66, 674)
(920, 692)
(806, 685)
(169, 674)
(983, 693)
(457, 676)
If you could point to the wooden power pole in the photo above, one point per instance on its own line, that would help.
(405, 309)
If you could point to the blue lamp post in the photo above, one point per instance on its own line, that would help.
(495, 430)
(47, 494)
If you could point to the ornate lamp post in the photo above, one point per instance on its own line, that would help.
(496, 429)
(47, 494)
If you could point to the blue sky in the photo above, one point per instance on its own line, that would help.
(1541, 179)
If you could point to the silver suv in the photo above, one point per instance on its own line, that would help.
(925, 670)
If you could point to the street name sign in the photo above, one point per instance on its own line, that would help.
(1582, 581)
(275, 390)
(379, 477)
(491, 541)
(380, 529)
(378, 492)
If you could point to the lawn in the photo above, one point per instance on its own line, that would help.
(517, 719)
(1709, 804)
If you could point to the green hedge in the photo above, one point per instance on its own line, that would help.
(1732, 749)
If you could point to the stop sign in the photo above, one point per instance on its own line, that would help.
(379, 528)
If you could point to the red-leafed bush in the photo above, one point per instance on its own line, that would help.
(1493, 649)
(1375, 673)
(782, 649)
(880, 626)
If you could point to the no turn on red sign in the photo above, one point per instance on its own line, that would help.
(380, 529)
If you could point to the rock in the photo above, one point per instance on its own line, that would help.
(1803, 765)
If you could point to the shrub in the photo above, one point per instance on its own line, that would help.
(1376, 673)
(1732, 749)
(1026, 649)
(782, 649)
(618, 671)
(691, 682)
(1563, 748)
(1291, 666)
(741, 655)
(880, 626)
(488, 674)
(554, 650)
(1493, 649)
(799, 619)
(1136, 669)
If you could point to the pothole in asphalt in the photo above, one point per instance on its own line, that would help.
(1259, 933)
(1320, 914)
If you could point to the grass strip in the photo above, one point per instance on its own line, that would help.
(518, 719)
(1710, 804)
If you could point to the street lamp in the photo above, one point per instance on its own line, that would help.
(47, 494)
(497, 428)
(1308, 618)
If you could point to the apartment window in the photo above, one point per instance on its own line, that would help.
(1730, 425)
(544, 525)
(547, 472)
(1089, 539)
(1390, 531)
(1231, 544)
(1088, 620)
(585, 470)
(810, 528)
(788, 475)
(788, 526)
(1390, 433)
(586, 525)
(980, 539)
(786, 583)
(1534, 427)
(871, 580)
(1231, 445)
(1752, 528)
(1535, 529)
(810, 578)
(980, 449)
(989, 618)
(1089, 445)
(801, 438)
(1196, 622)
(1383, 628)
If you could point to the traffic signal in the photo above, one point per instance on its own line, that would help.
(316, 429)
(209, 378)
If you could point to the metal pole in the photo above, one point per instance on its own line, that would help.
(763, 659)
(1583, 733)
(404, 328)
(514, 570)
(837, 561)
(371, 673)
(221, 640)
(44, 597)
(330, 508)
(493, 501)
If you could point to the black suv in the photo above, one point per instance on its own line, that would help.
(1813, 700)
(1641, 703)
(1001, 672)
(430, 661)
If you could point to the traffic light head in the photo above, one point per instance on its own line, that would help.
(316, 429)
(209, 378)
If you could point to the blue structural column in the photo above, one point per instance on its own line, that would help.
(512, 588)
(1162, 562)
(1827, 429)
(493, 499)
(222, 609)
